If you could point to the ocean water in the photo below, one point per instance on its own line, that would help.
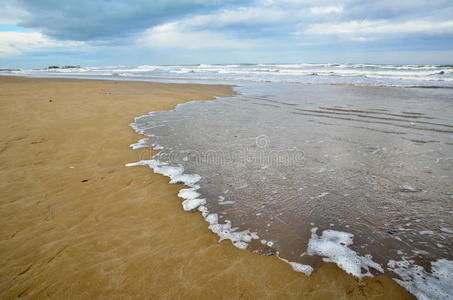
(356, 175)
(344, 163)
(357, 74)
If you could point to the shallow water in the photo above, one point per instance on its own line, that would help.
(361, 176)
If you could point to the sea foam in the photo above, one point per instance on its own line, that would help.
(425, 286)
(333, 247)
(191, 202)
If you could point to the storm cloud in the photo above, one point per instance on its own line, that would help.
(100, 19)
(214, 31)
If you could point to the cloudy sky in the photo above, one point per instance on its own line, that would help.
(38, 33)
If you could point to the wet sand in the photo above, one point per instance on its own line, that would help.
(76, 223)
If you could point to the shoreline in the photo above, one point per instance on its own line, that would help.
(77, 223)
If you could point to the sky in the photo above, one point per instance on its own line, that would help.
(39, 33)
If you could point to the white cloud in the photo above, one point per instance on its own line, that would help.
(11, 14)
(326, 10)
(239, 16)
(202, 31)
(13, 43)
(295, 2)
(174, 35)
(364, 29)
(361, 38)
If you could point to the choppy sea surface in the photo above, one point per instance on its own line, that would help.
(353, 165)
(358, 74)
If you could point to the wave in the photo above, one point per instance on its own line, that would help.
(323, 73)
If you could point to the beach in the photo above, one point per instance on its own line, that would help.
(76, 223)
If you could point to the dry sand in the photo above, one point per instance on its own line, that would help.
(122, 234)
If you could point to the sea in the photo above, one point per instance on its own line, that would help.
(309, 73)
(344, 163)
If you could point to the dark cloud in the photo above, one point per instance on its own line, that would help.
(99, 19)
(110, 20)
(119, 31)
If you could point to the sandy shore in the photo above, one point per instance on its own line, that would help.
(75, 223)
